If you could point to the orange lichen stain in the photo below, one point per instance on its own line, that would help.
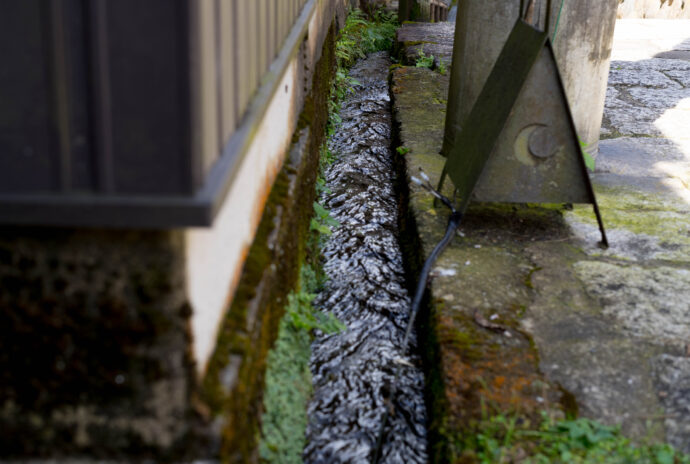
(484, 369)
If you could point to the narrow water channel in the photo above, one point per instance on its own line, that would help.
(353, 370)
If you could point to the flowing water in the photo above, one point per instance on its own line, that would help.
(353, 371)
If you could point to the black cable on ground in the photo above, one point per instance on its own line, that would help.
(454, 221)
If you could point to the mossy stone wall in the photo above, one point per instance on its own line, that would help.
(94, 341)
(234, 383)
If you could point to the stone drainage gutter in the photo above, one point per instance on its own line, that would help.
(526, 314)
(353, 370)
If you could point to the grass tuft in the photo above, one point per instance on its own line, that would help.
(504, 439)
(359, 37)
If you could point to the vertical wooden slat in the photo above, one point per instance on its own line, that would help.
(261, 39)
(259, 29)
(245, 56)
(228, 69)
(206, 131)
(270, 32)
(81, 175)
(285, 20)
(278, 21)
(60, 93)
(218, 61)
(98, 26)
(253, 43)
(274, 26)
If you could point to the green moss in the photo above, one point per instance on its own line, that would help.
(656, 216)
(288, 380)
(505, 438)
(412, 43)
(279, 249)
(286, 394)
(233, 339)
(528, 278)
(238, 401)
(520, 310)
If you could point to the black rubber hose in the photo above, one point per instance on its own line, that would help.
(453, 223)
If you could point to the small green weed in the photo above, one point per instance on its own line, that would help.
(427, 61)
(502, 439)
(402, 151)
(304, 317)
(287, 391)
(326, 158)
(359, 37)
(424, 60)
(321, 187)
(322, 222)
(288, 379)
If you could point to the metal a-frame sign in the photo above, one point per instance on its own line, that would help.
(519, 143)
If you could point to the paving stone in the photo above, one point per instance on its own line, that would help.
(647, 73)
(672, 378)
(674, 55)
(648, 98)
(651, 302)
(637, 156)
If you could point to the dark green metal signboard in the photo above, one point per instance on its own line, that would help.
(519, 142)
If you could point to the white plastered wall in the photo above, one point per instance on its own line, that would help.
(215, 256)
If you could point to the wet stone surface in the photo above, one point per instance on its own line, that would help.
(353, 370)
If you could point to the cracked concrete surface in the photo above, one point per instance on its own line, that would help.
(611, 326)
(641, 284)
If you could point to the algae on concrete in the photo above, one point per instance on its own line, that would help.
(604, 332)
(234, 382)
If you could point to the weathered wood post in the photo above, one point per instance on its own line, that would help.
(414, 10)
(582, 32)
